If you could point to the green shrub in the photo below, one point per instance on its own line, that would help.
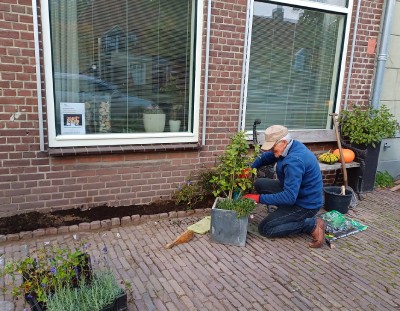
(189, 194)
(228, 175)
(103, 290)
(232, 175)
(369, 126)
(383, 180)
(242, 207)
(46, 270)
(194, 190)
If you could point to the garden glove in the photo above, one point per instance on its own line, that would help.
(254, 197)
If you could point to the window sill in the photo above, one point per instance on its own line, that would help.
(305, 136)
(97, 150)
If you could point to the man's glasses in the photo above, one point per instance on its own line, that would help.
(272, 148)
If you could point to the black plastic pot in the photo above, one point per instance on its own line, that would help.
(362, 179)
(120, 304)
(334, 200)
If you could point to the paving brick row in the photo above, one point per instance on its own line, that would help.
(177, 302)
(293, 303)
(361, 273)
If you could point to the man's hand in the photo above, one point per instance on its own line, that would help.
(254, 197)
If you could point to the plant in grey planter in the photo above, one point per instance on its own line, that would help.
(228, 226)
(363, 131)
(229, 214)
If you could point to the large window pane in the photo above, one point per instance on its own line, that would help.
(116, 61)
(294, 65)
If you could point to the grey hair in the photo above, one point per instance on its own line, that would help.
(287, 137)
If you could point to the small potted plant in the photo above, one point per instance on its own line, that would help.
(53, 272)
(154, 119)
(362, 131)
(229, 214)
(175, 93)
(174, 121)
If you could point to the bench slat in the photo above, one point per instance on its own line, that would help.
(336, 166)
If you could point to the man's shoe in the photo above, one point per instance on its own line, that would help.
(318, 234)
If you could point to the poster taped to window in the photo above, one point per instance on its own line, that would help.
(72, 118)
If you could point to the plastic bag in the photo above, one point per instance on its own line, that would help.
(339, 226)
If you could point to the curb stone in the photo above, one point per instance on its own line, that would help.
(103, 224)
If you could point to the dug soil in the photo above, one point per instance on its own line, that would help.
(37, 220)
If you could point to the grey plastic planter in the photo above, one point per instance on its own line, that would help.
(226, 228)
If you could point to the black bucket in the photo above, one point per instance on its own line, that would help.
(336, 201)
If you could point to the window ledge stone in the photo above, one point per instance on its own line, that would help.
(306, 136)
(74, 151)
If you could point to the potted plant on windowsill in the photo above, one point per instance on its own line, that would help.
(175, 91)
(174, 121)
(229, 214)
(362, 131)
(154, 119)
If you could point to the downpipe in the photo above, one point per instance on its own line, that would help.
(205, 100)
(38, 75)
(383, 53)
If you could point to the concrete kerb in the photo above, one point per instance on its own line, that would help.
(99, 225)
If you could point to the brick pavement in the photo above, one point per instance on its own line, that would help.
(361, 273)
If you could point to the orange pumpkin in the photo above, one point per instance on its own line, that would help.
(348, 155)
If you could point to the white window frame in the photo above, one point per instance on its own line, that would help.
(120, 138)
(347, 11)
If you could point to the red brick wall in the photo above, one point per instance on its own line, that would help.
(361, 81)
(31, 179)
(226, 56)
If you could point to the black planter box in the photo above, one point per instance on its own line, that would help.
(120, 304)
(362, 179)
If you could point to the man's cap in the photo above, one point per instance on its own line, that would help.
(272, 135)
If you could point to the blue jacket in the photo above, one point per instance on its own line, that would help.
(300, 175)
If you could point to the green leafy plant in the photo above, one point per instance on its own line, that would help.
(101, 292)
(194, 190)
(243, 207)
(46, 271)
(369, 126)
(60, 279)
(189, 194)
(229, 177)
(384, 179)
